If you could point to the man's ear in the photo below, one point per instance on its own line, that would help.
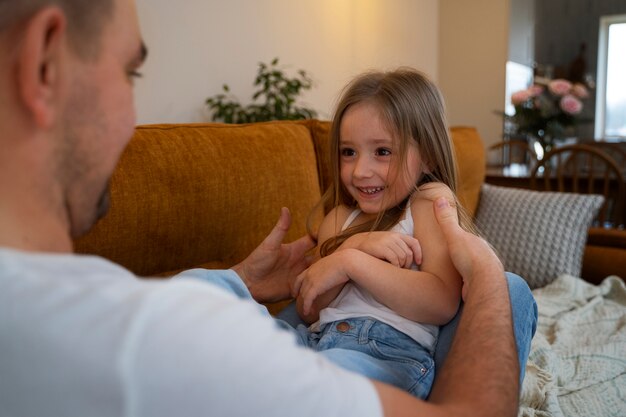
(41, 58)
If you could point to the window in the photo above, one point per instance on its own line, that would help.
(611, 86)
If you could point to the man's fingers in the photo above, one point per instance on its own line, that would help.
(284, 221)
(276, 236)
(447, 218)
(301, 246)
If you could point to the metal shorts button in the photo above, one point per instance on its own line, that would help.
(344, 326)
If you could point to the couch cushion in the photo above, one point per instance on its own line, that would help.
(185, 195)
(538, 235)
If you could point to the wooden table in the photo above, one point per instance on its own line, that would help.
(514, 175)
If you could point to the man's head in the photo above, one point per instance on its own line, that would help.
(85, 19)
(66, 75)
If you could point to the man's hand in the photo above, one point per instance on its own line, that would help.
(269, 268)
(485, 331)
(470, 254)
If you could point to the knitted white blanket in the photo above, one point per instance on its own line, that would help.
(577, 363)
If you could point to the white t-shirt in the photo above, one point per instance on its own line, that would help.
(81, 336)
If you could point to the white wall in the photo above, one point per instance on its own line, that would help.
(195, 46)
(473, 51)
(522, 32)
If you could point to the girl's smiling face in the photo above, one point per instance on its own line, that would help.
(371, 167)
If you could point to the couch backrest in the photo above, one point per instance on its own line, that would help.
(204, 194)
(188, 195)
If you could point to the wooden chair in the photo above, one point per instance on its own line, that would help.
(587, 170)
(616, 150)
(514, 152)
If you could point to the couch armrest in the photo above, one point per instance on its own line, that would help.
(615, 238)
(605, 254)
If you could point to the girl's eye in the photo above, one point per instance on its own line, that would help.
(347, 152)
(383, 152)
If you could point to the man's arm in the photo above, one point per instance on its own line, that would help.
(480, 375)
(481, 370)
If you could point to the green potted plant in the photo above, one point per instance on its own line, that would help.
(274, 99)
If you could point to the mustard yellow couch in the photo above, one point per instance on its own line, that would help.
(189, 195)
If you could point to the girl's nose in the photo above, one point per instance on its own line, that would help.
(362, 168)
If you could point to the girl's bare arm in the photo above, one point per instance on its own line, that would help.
(430, 295)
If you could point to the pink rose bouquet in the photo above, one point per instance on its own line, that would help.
(570, 104)
(548, 110)
(559, 87)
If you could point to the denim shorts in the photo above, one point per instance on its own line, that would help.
(375, 350)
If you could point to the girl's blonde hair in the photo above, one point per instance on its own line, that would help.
(411, 109)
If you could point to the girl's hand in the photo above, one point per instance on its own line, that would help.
(396, 248)
(324, 275)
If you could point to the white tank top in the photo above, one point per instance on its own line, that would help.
(355, 301)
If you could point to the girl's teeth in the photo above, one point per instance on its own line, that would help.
(371, 190)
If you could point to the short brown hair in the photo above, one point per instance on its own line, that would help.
(85, 19)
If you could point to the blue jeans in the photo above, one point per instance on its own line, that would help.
(375, 350)
(523, 308)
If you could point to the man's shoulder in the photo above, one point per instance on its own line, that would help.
(139, 338)
(42, 264)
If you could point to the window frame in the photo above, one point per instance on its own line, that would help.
(601, 78)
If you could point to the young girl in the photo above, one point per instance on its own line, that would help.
(373, 310)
